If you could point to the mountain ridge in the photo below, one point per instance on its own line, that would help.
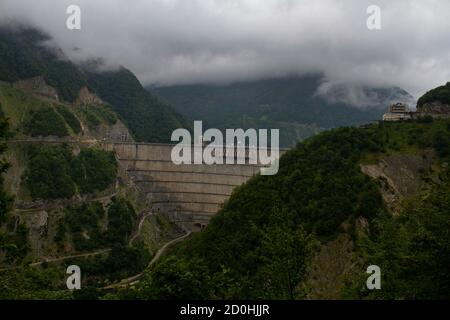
(275, 102)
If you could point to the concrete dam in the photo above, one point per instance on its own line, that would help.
(190, 194)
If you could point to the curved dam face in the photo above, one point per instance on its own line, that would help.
(190, 194)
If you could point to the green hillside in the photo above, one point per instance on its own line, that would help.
(441, 94)
(279, 237)
(32, 116)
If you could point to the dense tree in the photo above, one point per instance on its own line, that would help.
(93, 170)
(70, 118)
(83, 221)
(48, 173)
(412, 250)
(5, 198)
(46, 122)
(54, 172)
(13, 246)
(261, 244)
(121, 216)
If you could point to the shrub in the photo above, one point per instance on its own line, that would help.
(94, 170)
(46, 122)
(120, 221)
(54, 172)
(47, 175)
(83, 220)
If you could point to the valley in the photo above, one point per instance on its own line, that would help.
(88, 179)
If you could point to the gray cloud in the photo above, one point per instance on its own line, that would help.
(190, 41)
(360, 96)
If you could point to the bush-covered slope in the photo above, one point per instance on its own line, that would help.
(262, 243)
(46, 122)
(412, 249)
(54, 172)
(30, 115)
(441, 94)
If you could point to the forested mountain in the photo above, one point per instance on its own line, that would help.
(340, 203)
(292, 104)
(25, 54)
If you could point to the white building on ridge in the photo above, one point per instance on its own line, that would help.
(397, 111)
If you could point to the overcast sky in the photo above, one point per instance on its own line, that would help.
(190, 41)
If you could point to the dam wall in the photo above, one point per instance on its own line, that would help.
(190, 194)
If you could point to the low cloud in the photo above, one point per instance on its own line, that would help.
(360, 96)
(214, 41)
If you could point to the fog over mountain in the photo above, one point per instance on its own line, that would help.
(168, 42)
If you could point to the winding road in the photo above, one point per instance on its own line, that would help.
(141, 217)
(127, 281)
(81, 255)
(135, 279)
(136, 233)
